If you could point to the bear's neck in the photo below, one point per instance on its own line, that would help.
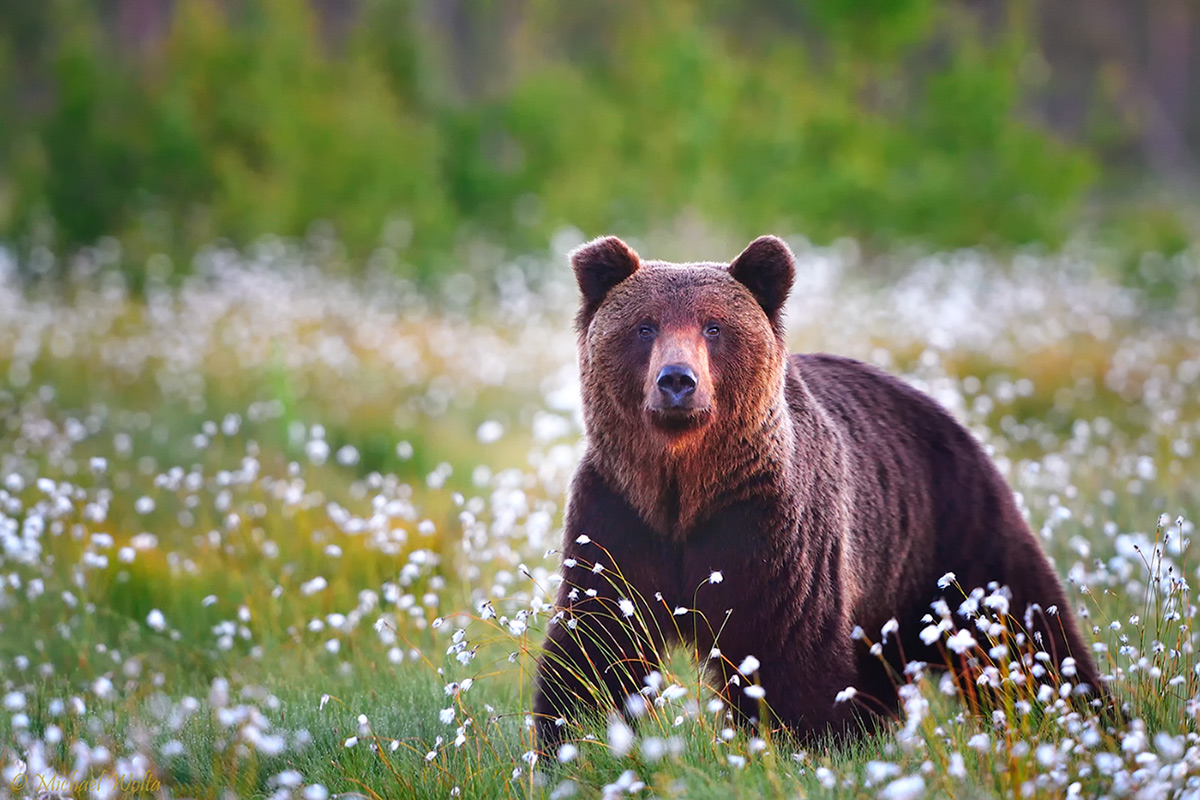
(676, 487)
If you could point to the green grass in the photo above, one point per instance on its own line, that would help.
(299, 589)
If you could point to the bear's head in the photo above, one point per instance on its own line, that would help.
(667, 351)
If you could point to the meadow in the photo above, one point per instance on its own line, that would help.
(268, 531)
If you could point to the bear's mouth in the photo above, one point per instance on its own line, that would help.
(679, 420)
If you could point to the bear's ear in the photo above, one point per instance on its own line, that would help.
(767, 268)
(599, 266)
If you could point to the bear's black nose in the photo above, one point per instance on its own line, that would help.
(676, 382)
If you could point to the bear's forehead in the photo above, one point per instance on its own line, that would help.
(680, 290)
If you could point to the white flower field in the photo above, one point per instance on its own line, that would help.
(270, 532)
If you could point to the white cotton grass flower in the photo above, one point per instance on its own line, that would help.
(351, 742)
(749, 666)
(916, 707)
(317, 451)
(653, 748)
(674, 692)
(1171, 748)
(489, 432)
(998, 602)
(961, 641)
(143, 541)
(628, 783)
(909, 787)
(102, 687)
(715, 576)
(267, 744)
(567, 753)
(156, 621)
(880, 771)
(946, 580)
(347, 455)
(626, 606)
(313, 586)
(755, 692)
(288, 779)
(620, 737)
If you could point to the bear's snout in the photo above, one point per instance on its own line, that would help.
(677, 384)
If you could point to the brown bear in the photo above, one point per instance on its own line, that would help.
(734, 497)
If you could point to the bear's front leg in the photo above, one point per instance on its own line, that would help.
(593, 658)
(797, 688)
(609, 629)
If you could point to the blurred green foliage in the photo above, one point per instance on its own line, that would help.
(896, 121)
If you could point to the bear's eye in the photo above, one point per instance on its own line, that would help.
(645, 331)
(712, 330)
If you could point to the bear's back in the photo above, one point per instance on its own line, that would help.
(873, 407)
(921, 489)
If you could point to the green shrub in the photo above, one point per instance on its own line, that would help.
(884, 121)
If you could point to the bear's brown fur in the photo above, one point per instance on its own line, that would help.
(827, 493)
